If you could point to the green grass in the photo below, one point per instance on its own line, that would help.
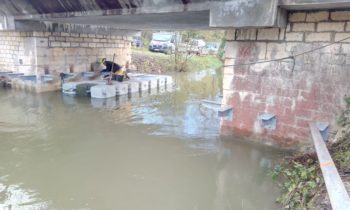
(194, 63)
(204, 62)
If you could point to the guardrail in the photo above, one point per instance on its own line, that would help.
(335, 187)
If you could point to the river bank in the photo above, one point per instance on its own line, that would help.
(151, 62)
(300, 177)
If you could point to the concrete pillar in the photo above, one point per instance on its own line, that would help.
(309, 88)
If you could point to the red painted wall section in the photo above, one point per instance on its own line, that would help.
(310, 89)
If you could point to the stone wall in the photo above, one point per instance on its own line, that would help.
(310, 88)
(34, 53)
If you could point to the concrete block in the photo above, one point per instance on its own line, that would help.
(282, 34)
(268, 34)
(260, 50)
(83, 35)
(331, 26)
(345, 48)
(92, 44)
(60, 38)
(231, 49)
(297, 17)
(91, 35)
(294, 36)
(304, 27)
(341, 36)
(161, 82)
(65, 44)
(99, 45)
(229, 69)
(169, 81)
(153, 83)
(340, 15)
(103, 91)
(227, 82)
(317, 16)
(38, 33)
(74, 44)
(121, 88)
(276, 50)
(318, 37)
(246, 34)
(55, 44)
(132, 86)
(42, 42)
(298, 47)
(347, 27)
(230, 34)
(83, 44)
(64, 34)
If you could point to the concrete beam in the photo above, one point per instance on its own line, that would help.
(7, 23)
(314, 4)
(243, 14)
(45, 26)
(171, 21)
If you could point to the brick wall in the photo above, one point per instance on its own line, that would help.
(311, 89)
(55, 52)
(11, 47)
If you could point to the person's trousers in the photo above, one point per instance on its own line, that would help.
(118, 78)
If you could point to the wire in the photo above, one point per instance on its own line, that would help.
(288, 57)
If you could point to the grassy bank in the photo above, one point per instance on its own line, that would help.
(300, 177)
(146, 61)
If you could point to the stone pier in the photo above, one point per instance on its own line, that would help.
(297, 91)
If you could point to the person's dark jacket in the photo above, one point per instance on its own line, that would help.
(109, 64)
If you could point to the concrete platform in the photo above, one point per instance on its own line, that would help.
(103, 91)
(69, 88)
(138, 83)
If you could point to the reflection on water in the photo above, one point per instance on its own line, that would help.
(154, 151)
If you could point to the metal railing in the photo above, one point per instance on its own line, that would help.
(337, 193)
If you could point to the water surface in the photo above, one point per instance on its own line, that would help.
(154, 152)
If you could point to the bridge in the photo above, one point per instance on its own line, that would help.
(26, 15)
(307, 85)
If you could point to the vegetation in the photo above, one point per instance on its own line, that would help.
(300, 181)
(179, 61)
(300, 177)
(159, 62)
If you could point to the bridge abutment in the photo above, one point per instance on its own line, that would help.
(303, 88)
(39, 53)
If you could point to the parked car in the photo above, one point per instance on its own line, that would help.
(195, 46)
(137, 41)
(212, 47)
(163, 42)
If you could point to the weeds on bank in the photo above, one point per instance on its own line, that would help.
(300, 178)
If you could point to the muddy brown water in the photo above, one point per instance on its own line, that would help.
(155, 152)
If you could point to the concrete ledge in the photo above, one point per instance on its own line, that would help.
(313, 4)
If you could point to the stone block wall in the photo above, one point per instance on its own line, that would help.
(34, 53)
(308, 88)
(11, 47)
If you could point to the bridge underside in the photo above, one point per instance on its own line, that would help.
(150, 14)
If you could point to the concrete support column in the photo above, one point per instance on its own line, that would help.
(309, 88)
(39, 53)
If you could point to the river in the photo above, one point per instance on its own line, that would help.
(155, 152)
